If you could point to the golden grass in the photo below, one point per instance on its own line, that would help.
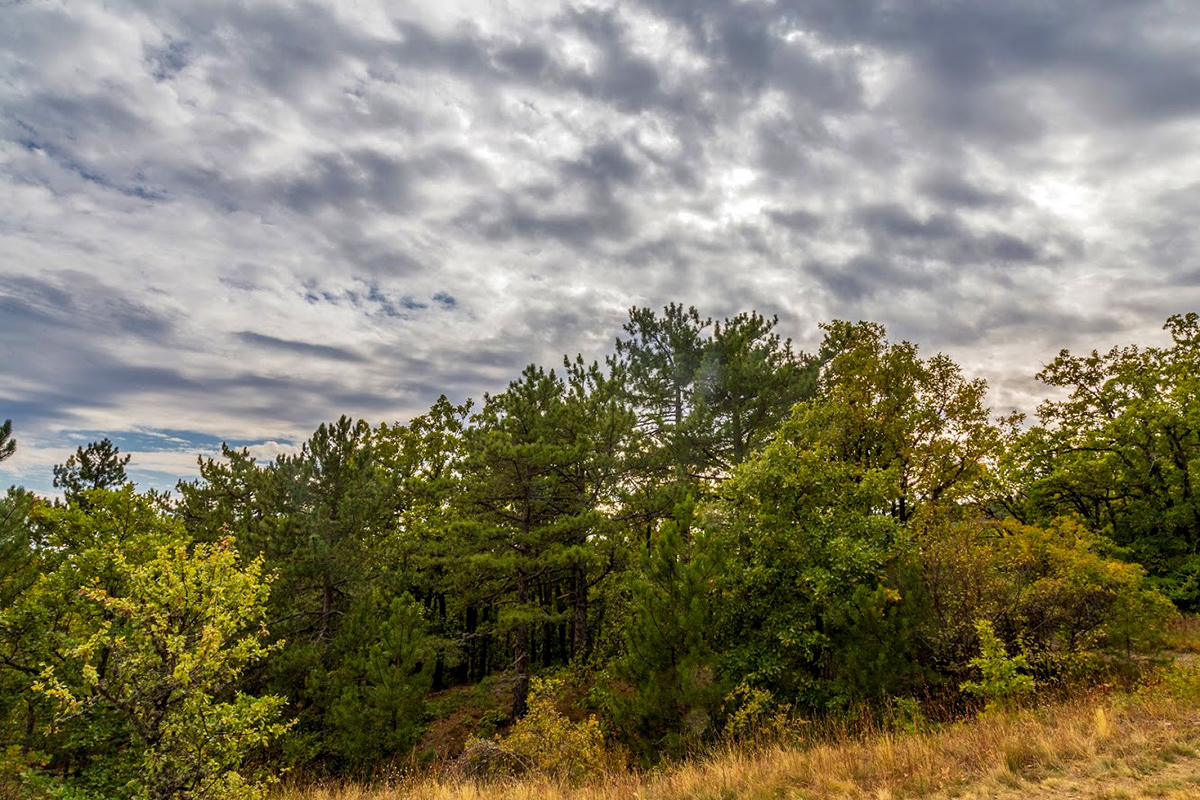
(1183, 634)
(1134, 746)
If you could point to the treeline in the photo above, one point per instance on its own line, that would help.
(707, 531)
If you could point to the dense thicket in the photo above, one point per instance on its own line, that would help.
(707, 531)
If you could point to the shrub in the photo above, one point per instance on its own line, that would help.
(754, 713)
(486, 759)
(1055, 591)
(550, 743)
(1002, 683)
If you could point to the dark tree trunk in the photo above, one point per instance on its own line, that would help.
(326, 607)
(470, 669)
(548, 636)
(521, 653)
(579, 631)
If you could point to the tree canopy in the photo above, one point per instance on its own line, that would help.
(704, 534)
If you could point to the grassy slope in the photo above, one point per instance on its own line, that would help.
(1128, 746)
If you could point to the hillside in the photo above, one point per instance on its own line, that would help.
(1140, 744)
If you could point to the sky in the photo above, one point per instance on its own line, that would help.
(232, 221)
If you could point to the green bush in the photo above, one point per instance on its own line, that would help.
(1002, 682)
(752, 713)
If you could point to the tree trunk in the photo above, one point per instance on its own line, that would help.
(521, 648)
(326, 607)
(579, 633)
(471, 668)
(548, 636)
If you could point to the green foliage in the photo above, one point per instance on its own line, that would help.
(661, 358)
(825, 604)
(1122, 451)
(915, 424)
(339, 505)
(748, 381)
(543, 469)
(1179, 682)
(754, 714)
(708, 394)
(19, 543)
(99, 465)
(721, 531)
(1054, 590)
(801, 540)
(141, 641)
(1001, 682)
(669, 661)
(323, 522)
(907, 715)
(380, 682)
(8, 445)
(882, 637)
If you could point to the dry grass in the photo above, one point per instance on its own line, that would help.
(1132, 746)
(1183, 634)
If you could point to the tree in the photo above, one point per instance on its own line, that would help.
(803, 533)
(8, 445)
(379, 684)
(1055, 591)
(1122, 451)
(881, 407)
(661, 358)
(423, 460)
(748, 383)
(708, 395)
(339, 503)
(542, 471)
(607, 447)
(670, 659)
(99, 465)
(20, 567)
(141, 643)
(323, 521)
(823, 599)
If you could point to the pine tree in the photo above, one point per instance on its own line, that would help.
(99, 465)
(8, 445)
(669, 658)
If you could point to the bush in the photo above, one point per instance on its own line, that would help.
(486, 759)
(1054, 592)
(1002, 683)
(753, 713)
(546, 741)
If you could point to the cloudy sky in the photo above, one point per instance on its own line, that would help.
(235, 220)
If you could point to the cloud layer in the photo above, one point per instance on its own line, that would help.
(234, 221)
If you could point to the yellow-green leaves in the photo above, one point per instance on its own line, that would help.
(146, 655)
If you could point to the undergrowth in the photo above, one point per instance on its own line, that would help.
(1097, 736)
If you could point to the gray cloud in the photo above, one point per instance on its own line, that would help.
(241, 220)
(299, 348)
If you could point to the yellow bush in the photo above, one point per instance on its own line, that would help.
(553, 745)
(754, 714)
